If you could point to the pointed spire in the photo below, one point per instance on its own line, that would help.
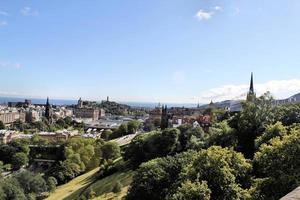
(251, 90)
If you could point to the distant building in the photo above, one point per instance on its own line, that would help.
(251, 94)
(8, 117)
(92, 113)
(48, 110)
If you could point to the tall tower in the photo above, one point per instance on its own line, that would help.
(48, 110)
(80, 103)
(251, 94)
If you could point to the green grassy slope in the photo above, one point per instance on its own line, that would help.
(87, 181)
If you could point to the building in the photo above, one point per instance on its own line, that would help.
(48, 111)
(9, 117)
(92, 113)
(251, 94)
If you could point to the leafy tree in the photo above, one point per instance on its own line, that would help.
(277, 164)
(2, 125)
(227, 173)
(169, 141)
(52, 183)
(157, 178)
(133, 126)
(272, 131)
(6, 153)
(192, 191)
(117, 187)
(68, 121)
(106, 134)
(12, 190)
(222, 134)
(19, 159)
(110, 151)
(252, 121)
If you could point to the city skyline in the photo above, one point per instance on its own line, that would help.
(175, 51)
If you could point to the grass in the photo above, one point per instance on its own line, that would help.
(77, 184)
(87, 181)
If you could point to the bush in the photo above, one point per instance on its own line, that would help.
(117, 187)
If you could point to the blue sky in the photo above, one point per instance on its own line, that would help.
(181, 51)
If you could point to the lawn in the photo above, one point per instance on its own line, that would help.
(87, 181)
(77, 184)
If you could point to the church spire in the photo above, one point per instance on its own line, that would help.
(251, 90)
(251, 94)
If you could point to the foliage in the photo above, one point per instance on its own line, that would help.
(156, 179)
(110, 151)
(279, 165)
(252, 121)
(2, 125)
(221, 134)
(227, 173)
(18, 160)
(117, 187)
(192, 191)
(272, 131)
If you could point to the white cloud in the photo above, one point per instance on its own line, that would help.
(279, 88)
(28, 11)
(3, 13)
(3, 23)
(218, 8)
(8, 64)
(204, 15)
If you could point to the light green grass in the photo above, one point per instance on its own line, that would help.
(87, 181)
(77, 184)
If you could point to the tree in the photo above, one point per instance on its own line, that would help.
(192, 191)
(169, 141)
(272, 131)
(226, 172)
(158, 178)
(110, 151)
(52, 183)
(19, 159)
(277, 164)
(106, 134)
(252, 121)
(133, 126)
(117, 187)
(221, 134)
(2, 125)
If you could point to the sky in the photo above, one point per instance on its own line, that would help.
(179, 51)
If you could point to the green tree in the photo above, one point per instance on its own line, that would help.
(2, 125)
(52, 183)
(19, 159)
(133, 126)
(106, 134)
(252, 121)
(277, 164)
(157, 178)
(272, 131)
(227, 173)
(192, 191)
(117, 187)
(110, 151)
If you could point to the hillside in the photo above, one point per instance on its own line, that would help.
(102, 188)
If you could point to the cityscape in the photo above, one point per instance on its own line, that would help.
(149, 100)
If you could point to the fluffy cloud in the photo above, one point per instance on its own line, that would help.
(28, 11)
(206, 15)
(279, 88)
(203, 15)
